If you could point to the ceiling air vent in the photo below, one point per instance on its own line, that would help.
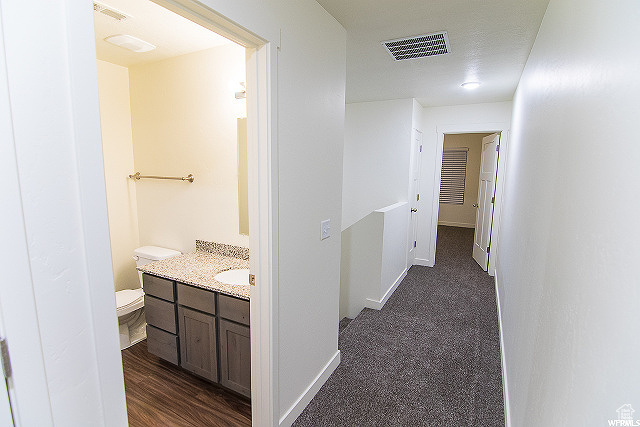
(109, 11)
(418, 46)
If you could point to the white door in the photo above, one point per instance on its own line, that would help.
(415, 195)
(486, 192)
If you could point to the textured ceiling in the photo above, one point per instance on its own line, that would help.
(172, 34)
(490, 42)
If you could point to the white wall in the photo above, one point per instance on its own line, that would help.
(184, 120)
(311, 99)
(52, 90)
(373, 259)
(568, 251)
(452, 119)
(464, 215)
(394, 249)
(377, 156)
(117, 149)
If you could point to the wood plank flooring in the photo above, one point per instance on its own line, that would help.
(161, 394)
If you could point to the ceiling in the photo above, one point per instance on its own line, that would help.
(150, 22)
(490, 42)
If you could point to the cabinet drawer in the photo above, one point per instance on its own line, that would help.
(158, 287)
(162, 344)
(235, 309)
(161, 314)
(197, 298)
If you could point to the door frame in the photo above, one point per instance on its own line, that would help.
(30, 385)
(262, 155)
(414, 190)
(492, 127)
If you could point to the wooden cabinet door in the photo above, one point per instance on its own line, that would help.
(198, 343)
(235, 357)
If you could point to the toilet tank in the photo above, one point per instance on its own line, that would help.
(147, 254)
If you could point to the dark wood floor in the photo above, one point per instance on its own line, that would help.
(161, 394)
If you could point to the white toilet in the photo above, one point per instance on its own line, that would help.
(130, 302)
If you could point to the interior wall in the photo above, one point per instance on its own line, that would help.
(567, 256)
(117, 149)
(377, 156)
(464, 215)
(472, 117)
(184, 115)
(311, 110)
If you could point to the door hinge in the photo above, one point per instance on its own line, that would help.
(493, 199)
(252, 279)
(4, 354)
(415, 243)
(498, 147)
(421, 148)
(418, 197)
(488, 249)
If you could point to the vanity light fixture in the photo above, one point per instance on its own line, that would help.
(470, 85)
(134, 44)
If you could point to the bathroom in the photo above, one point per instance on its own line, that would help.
(172, 111)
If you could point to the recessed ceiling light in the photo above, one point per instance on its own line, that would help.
(470, 85)
(129, 42)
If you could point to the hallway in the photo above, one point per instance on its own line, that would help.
(431, 356)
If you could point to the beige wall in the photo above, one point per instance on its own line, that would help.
(464, 215)
(184, 121)
(117, 149)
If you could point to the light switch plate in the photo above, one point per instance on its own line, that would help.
(325, 229)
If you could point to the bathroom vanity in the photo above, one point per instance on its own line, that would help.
(197, 323)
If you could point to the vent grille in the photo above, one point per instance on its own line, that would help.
(418, 46)
(108, 11)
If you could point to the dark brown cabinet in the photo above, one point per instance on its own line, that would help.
(198, 343)
(203, 331)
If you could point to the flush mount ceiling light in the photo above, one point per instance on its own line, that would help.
(129, 42)
(470, 85)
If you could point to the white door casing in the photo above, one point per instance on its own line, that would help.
(486, 192)
(415, 191)
(262, 158)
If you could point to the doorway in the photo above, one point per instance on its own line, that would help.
(248, 99)
(467, 187)
(471, 193)
(83, 356)
(173, 105)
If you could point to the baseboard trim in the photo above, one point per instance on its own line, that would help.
(378, 304)
(298, 406)
(456, 224)
(505, 389)
(423, 262)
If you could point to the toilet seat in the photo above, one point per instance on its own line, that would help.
(129, 300)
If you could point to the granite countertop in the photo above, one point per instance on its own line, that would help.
(198, 268)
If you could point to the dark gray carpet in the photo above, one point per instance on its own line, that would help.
(344, 322)
(430, 357)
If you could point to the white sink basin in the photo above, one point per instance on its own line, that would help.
(234, 277)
